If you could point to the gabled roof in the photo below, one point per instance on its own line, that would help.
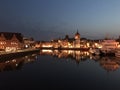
(10, 35)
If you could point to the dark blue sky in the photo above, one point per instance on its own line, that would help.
(48, 19)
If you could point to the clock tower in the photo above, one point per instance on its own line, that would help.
(77, 40)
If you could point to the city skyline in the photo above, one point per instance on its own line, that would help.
(49, 19)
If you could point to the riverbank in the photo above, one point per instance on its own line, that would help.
(19, 53)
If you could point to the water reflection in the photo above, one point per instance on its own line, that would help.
(107, 63)
(72, 54)
(17, 63)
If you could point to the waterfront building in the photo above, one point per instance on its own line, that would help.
(64, 43)
(38, 44)
(70, 42)
(109, 45)
(28, 42)
(77, 40)
(96, 44)
(84, 43)
(10, 41)
(47, 44)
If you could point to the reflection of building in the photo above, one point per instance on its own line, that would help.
(11, 41)
(109, 63)
(16, 64)
(46, 52)
(72, 54)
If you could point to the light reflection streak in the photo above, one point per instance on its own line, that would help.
(17, 63)
(107, 63)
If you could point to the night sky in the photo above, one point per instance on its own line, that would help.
(49, 19)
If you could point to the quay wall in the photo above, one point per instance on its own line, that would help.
(21, 53)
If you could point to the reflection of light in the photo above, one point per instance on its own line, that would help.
(47, 50)
(77, 52)
(16, 65)
(33, 54)
(55, 50)
(29, 59)
(26, 56)
(88, 53)
(36, 57)
(7, 61)
(91, 57)
(65, 51)
(70, 51)
(14, 60)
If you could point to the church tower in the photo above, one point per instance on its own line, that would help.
(77, 40)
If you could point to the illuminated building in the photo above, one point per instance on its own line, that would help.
(66, 43)
(10, 41)
(84, 43)
(28, 42)
(47, 44)
(77, 40)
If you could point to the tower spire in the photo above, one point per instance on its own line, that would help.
(77, 33)
(77, 30)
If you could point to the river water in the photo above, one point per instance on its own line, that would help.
(64, 69)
